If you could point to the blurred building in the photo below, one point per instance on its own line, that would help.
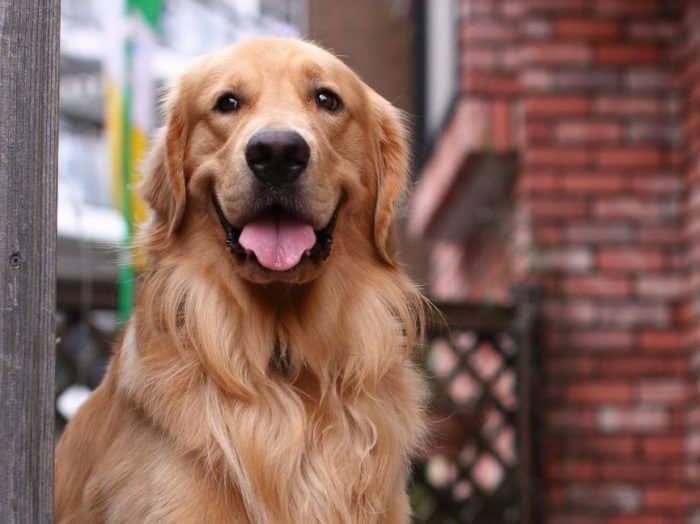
(560, 147)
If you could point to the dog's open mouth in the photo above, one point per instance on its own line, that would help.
(278, 239)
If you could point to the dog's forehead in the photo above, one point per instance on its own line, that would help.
(281, 57)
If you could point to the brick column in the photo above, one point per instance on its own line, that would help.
(603, 179)
(690, 53)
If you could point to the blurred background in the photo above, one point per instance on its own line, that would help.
(555, 220)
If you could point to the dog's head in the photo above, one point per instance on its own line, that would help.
(278, 154)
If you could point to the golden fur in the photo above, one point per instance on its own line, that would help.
(240, 396)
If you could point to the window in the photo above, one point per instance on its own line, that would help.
(438, 26)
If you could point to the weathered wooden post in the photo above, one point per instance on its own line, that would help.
(29, 73)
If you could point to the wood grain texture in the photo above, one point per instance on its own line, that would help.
(29, 76)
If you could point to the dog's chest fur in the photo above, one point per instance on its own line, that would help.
(193, 425)
(291, 454)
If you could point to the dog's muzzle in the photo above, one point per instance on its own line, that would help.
(276, 239)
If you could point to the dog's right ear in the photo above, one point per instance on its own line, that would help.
(164, 184)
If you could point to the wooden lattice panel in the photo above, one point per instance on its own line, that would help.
(473, 469)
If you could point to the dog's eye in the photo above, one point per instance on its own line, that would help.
(227, 103)
(328, 100)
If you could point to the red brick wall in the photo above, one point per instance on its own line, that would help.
(489, 67)
(690, 56)
(602, 176)
(592, 93)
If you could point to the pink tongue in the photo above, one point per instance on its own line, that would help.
(278, 244)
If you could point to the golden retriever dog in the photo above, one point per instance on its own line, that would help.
(265, 375)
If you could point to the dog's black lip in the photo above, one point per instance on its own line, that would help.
(320, 251)
(231, 232)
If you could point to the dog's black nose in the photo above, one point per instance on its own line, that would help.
(277, 156)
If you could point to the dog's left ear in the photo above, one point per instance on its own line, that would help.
(391, 172)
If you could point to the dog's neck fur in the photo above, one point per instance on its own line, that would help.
(326, 443)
